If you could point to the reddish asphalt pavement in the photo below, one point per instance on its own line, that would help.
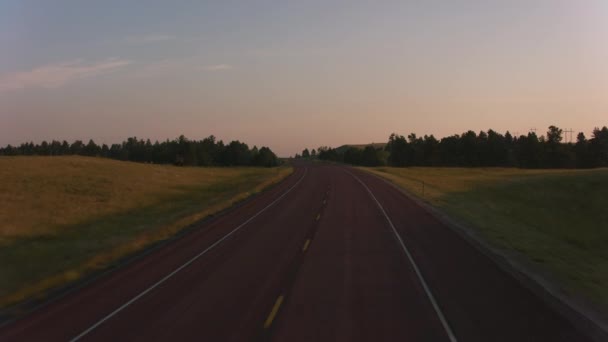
(329, 254)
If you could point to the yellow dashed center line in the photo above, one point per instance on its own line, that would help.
(279, 301)
(306, 245)
(273, 313)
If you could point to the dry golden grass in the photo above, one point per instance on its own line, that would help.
(42, 195)
(62, 217)
(441, 181)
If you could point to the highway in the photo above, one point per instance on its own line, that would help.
(329, 254)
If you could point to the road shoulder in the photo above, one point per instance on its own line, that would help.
(580, 313)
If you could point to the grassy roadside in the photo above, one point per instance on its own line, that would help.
(556, 218)
(63, 217)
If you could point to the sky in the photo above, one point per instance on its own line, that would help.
(295, 74)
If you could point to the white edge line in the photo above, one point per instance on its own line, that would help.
(155, 285)
(444, 322)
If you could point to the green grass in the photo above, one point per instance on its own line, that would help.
(557, 219)
(70, 216)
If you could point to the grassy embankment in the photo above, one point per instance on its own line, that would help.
(558, 219)
(63, 217)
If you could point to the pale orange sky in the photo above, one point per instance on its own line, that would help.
(291, 75)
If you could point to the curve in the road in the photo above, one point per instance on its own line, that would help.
(325, 256)
(428, 292)
(186, 264)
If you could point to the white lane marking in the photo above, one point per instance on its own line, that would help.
(429, 294)
(100, 322)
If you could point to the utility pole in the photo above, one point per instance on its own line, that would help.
(569, 131)
(533, 129)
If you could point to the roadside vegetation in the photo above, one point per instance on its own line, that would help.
(181, 151)
(556, 218)
(63, 217)
(483, 149)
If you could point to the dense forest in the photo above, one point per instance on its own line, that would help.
(484, 149)
(181, 151)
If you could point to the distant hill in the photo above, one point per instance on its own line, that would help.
(343, 148)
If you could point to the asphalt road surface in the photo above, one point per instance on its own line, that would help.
(329, 254)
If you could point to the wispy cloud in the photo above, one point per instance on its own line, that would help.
(176, 66)
(57, 75)
(150, 38)
(217, 67)
(159, 68)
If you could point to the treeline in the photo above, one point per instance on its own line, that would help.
(485, 149)
(181, 151)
